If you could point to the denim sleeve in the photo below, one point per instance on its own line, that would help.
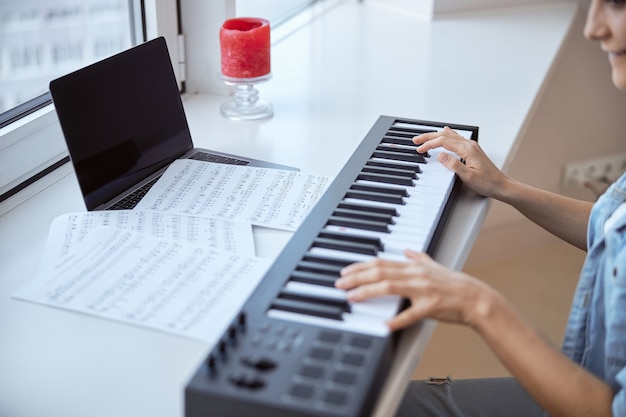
(619, 400)
(614, 272)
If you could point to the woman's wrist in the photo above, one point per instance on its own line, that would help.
(484, 306)
(505, 189)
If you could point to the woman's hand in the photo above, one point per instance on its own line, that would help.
(478, 172)
(434, 291)
(559, 385)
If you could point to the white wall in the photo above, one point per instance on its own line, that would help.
(431, 8)
(201, 24)
(454, 6)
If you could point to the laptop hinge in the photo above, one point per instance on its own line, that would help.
(182, 66)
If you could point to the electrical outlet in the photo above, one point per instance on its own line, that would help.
(607, 169)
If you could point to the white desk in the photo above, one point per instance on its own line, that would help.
(331, 80)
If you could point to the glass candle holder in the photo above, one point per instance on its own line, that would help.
(245, 103)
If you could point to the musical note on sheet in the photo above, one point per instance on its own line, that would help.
(172, 286)
(274, 198)
(67, 230)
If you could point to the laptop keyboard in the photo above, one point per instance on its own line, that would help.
(131, 200)
(211, 157)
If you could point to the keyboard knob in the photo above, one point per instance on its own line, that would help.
(241, 320)
(245, 380)
(222, 349)
(211, 365)
(259, 363)
(232, 336)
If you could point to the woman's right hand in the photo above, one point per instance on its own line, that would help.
(478, 172)
(434, 291)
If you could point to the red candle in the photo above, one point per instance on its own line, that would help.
(245, 47)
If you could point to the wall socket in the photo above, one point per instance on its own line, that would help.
(607, 168)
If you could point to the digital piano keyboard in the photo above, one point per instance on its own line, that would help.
(297, 347)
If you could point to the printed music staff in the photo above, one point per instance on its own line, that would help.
(272, 198)
(172, 286)
(67, 230)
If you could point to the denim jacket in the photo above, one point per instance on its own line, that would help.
(596, 331)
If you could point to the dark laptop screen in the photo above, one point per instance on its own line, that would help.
(122, 119)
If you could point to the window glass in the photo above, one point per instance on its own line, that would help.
(276, 11)
(43, 39)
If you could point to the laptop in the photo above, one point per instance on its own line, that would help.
(124, 124)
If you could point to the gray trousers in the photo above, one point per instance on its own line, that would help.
(485, 397)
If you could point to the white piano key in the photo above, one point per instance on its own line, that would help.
(391, 238)
(395, 243)
(354, 257)
(392, 256)
(351, 323)
(436, 182)
(384, 185)
(316, 290)
(380, 307)
(344, 256)
(415, 165)
(419, 224)
(397, 145)
(414, 209)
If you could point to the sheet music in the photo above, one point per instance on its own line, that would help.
(67, 230)
(267, 197)
(172, 286)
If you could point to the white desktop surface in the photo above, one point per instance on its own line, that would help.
(332, 78)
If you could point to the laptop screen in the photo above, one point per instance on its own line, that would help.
(122, 119)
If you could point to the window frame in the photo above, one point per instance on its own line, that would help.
(24, 109)
(31, 142)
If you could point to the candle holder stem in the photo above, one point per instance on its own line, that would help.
(245, 103)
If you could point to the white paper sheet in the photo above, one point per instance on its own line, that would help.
(267, 197)
(135, 278)
(67, 230)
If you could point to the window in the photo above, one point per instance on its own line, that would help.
(41, 40)
(276, 11)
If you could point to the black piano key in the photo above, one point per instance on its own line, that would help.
(412, 167)
(320, 268)
(399, 139)
(409, 150)
(399, 156)
(309, 309)
(382, 189)
(369, 209)
(385, 178)
(401, 133)
(314, 257)
(289, 294)
(363, 215)
(390, 171)
(345, 246)
(371, 196)
(352, 238)
(314, 278)
(358, 224)
(404, 138)
(407, 144)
